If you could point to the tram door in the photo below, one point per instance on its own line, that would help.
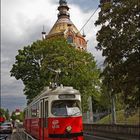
(44, 119)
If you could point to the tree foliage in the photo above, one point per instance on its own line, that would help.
(4, 113)
(119, 40)
(78, 68)
(13, 116)
(19, 117)
(7, 114)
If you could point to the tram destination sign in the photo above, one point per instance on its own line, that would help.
(66, 96)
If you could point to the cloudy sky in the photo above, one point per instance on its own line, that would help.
(21, 24)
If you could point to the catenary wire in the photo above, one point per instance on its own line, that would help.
(89, 19)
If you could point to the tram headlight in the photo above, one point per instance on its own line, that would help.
(68, 129)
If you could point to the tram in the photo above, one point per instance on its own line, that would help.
(55, 114)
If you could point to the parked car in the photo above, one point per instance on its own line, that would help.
(6, 127)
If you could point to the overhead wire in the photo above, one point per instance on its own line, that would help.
(100, 64)
(89, 19)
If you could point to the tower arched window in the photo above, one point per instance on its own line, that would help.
(70, 39)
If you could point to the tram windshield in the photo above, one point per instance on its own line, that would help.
(66, 108)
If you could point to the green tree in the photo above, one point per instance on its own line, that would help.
(21, 117)
(13, 116)
(2, 111)
(119, 41)
(78, 68)
(7, 115)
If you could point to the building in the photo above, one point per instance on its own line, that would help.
(17, 112)
(65, 28)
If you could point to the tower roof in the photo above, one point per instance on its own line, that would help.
(64, 27)
(63, 22)
(61, 2)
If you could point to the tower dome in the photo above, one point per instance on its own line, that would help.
(61, 2)
(65, 27)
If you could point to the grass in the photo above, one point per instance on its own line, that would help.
(120, 118)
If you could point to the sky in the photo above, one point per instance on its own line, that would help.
(22, 23)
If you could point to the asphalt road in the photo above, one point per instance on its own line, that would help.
(15, 136)
(89, 137)
(5, 136)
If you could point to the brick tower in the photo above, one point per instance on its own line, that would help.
(64, 27)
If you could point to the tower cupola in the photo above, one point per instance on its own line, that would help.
(63, 9)
(64, 27)
(62, 2)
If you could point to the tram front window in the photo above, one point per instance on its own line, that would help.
(66, 108)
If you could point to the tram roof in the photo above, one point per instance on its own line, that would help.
(54, 91)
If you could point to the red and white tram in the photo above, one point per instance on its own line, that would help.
(55, 114)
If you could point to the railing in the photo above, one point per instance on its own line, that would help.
(26, 136)
(121, 132)
(117, 131)
(22, 134)
(3, 137)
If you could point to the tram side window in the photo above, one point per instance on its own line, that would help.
(29, 112)
(46, 109)
(26, 115)
(34, 111)
(41, 109)
(37, 111)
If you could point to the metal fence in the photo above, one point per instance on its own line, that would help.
(26, 136)
(124, 132)
(3, 137)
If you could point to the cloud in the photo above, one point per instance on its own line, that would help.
(4, 59)
(21, 24)
(13, 102)
(82, 4)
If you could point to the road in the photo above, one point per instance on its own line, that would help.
(15, 136)
(5, 136)
(89, 137)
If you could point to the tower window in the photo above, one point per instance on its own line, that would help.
(70, 39)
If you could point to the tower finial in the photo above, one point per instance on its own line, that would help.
(43, 33)
(61, 2)
(83, 33)
(63, 9)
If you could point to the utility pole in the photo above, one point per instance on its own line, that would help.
(113, 109)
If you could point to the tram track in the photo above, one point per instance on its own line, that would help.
(20, 134)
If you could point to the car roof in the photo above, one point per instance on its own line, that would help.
(7, 123)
